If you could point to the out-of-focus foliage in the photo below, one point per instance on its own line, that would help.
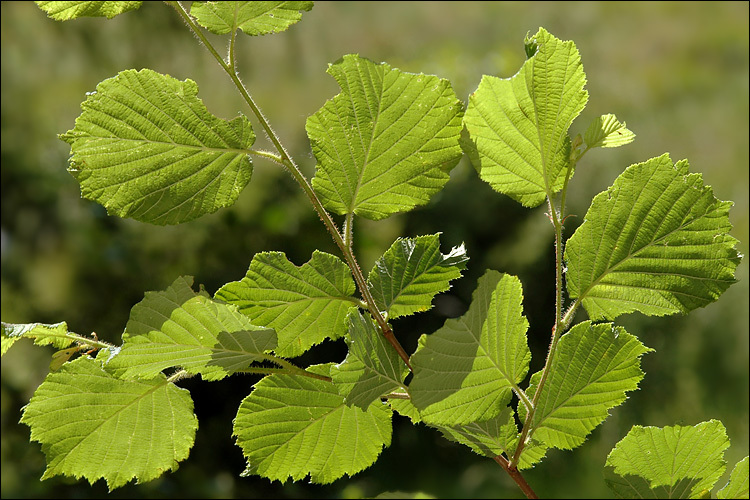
(677, 73)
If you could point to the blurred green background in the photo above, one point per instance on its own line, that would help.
(677, 73)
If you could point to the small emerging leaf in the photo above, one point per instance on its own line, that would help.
(179, 327)
(464, 372)
(518, 127)
(146, 147)
(55, 335)
(305, 305)
(386, 143)
(93, 425)
(65, 11)
(292, 426)
(594, 366)
(607, 132)
(656, 242)
(407, 277)
(254, 18)
(669, 462)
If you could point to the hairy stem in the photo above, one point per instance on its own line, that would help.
(298, 176)
(558, 326)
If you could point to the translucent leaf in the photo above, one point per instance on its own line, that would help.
(55, 335)
(254, 18)
(594, 365)
(372, 368)
(464, 372)
(179, 327)
(655, 242)
(607, 132)
(737, 487)
(305, 305)
(292, 426)
(405, 408)
(146, 147)
(494, 437)
(669, 462)
(386, 143)
(65, 11)
(518, 127)
(93, 425)
(406, 278)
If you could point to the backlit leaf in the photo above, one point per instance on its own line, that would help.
(737, 487)
(607, 132)
(305, 305)
(179, 327)
(93, 425)
(147, 148)
(386, 143)
(406, 278)
(594, 365)
(55, 335)
(464, 372)
(372, 368)
(669, 462)
(518, 127)
(254, 18)
(292, 426)
(656, 242)
(65, 11)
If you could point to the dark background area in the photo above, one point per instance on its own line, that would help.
(676, 72)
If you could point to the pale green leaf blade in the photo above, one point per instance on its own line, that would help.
(254, 18)
(305, 305)
(292, 426)
(55, 335)
(490, 438)
(146, 147)
(179, 327)
(518, 127)
(737, 487)
(411, 272)
(656, 242)
(405, 408)
(93, 425)
(65, 11)
(607, 132)
(372, 368)
(673, 462)
(594, 366)
(464, 372)
(386, 143)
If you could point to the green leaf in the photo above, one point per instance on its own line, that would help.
(669, 462)
(386, 143)
(656, 242)
(292, 426)
(405, 408)
(594, 365)
(93, 425)
(464, 372)
(406, 278)
(494, 437)
(55, 335)
(65, 11)
(305, 305)
(737, 487)
(179, 327)
(518, 127)
(372, 368)
(254, 18)
(607, 132)
(146, 147)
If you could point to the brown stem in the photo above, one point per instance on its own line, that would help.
(513, 472)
